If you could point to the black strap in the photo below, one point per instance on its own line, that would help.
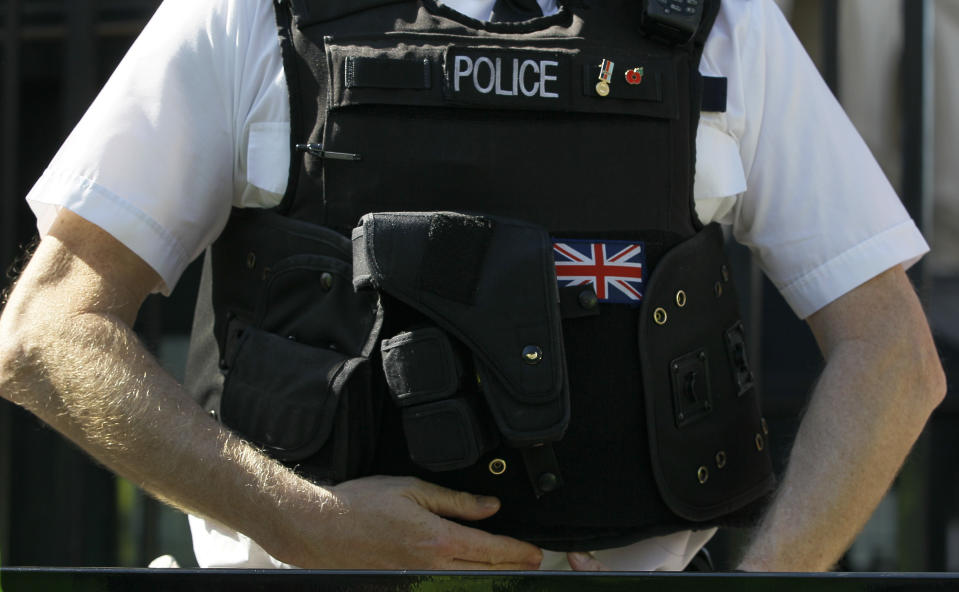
(714, 94)
(310, 12)
(542, 468)
(515, 11)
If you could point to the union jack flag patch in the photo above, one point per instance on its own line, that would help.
(613, 267)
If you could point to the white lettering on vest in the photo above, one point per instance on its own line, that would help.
(492, 75)
(499, 79)
(543, 78)
(463, 67)
(529, 92)
(526, 77)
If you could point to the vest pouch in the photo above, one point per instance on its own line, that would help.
(420, 366)
(300, 403)
(707, 436)
(447, 435)
(446, 427)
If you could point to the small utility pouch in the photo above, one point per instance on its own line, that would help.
(299, 403)
(295, 342)
(448, 434)
(442, 422)
(420, 366)
(707, 437)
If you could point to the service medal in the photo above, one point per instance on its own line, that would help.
(605, 77)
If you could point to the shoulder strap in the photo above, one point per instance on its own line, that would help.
(310, 12)
(710, 12)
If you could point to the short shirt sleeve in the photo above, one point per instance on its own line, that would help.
(816, 210)
(161, 154)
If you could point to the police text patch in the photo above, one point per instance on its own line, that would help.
(497, 77)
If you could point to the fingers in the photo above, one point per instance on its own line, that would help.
(581, 561)
(462, 565)
(474, 545)
(453, 504)
(404, 522)
(494, 551)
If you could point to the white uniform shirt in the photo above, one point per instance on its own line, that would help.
(196, 120)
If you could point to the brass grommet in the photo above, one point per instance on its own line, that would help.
(718, 289)
(760, 443)
(762, 422)
(659, 315)
(720, 459)
(703, 475)
(250, 260)
(681, 298)
(497, 466)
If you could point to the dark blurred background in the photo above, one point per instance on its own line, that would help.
(887, 60)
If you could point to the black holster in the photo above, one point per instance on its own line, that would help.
(488, 286)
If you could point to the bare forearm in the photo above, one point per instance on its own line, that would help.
(88, 377)
(842, 462)
(867, 410)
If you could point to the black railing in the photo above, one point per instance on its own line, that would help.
(144, 580)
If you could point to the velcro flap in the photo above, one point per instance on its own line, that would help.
(444, 435)
(420, 366)
(706, 434)
(283, 395)
(383, 72)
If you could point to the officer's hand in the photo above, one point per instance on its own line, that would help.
(396, 523)
(580, 561)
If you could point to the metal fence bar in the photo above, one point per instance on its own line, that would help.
(918, 118)
(830, 44)
(79, 60)
(916, 515)
(143, 580)
(11, 134)
(8, 218)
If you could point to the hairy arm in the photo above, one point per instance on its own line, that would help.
(68, 355)
(881, 381)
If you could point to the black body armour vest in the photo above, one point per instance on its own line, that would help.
(463, 158)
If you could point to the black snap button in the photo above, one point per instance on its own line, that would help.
(588, 299)
(326, 281)
(547, 482)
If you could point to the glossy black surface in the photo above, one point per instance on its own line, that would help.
(145, 580)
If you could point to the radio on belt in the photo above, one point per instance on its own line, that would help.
(674, 21)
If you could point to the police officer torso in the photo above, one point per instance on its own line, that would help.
(602, 400)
